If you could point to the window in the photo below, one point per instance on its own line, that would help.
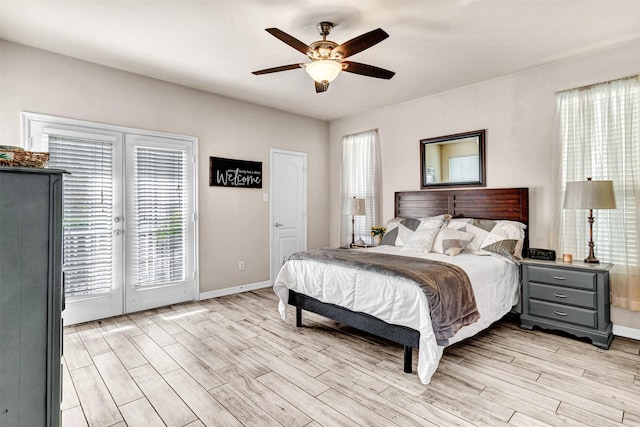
(464, 168)
(599, 132)
(361, 179)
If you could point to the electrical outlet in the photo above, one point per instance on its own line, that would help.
(241, 266)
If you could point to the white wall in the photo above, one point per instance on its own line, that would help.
(234, 223)
(518, 112)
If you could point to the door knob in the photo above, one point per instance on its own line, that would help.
(277, 224)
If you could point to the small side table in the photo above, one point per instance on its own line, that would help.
(570, 297)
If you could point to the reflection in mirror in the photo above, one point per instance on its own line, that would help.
(453, 160)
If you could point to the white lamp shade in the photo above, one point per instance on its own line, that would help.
(323, 70)
(355, 207)
(590, 195)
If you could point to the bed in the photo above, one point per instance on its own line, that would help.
(495, 280)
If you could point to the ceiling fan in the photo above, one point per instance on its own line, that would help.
(328, 58)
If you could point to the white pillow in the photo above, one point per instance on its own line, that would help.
(422, 240)
(450, 241)
(443, 217)
(431, 223)
(514, 230)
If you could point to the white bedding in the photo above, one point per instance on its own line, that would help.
(400, 301)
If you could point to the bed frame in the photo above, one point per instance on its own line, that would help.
(501, 203)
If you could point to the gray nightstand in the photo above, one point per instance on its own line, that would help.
(570, 297)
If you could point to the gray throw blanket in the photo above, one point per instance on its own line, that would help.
(447, 287)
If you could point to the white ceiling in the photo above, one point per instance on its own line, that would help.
(434, 45)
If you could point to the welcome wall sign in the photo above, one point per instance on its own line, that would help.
(234, 173)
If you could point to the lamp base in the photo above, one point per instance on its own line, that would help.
(591, 258)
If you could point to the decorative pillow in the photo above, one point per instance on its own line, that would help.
(514, 230)
(498, 242)
(504, 247)
(492, 236)
(450, 241)
(400, 231)
(480, 229)
(422, 240)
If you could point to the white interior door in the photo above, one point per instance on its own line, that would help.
(288, 206)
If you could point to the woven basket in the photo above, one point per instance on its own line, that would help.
(29, 159)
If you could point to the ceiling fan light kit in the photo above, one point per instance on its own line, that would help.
(327, 57)
(323, 70)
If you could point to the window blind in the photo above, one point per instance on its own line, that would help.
(160, 178)
(88, 212)
(464, 168)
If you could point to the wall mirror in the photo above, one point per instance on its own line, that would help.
(453, 160)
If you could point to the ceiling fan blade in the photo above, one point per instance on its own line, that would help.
(367, 70)
(290, 40)
(360, 43)
(276, 69)
(321, 87)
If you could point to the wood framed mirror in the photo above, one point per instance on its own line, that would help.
(453, 161)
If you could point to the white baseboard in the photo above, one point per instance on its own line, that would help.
(234, 290)
(623, 331)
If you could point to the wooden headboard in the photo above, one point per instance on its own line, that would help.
(486, 203)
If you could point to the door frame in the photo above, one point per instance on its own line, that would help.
(272, 153)
(27, 117)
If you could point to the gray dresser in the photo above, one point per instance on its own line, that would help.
(30, 296)
(571, 297)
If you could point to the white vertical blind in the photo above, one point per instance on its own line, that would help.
(88, 212)
(361, 179)
(160, 187)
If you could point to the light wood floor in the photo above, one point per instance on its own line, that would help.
(232, 361)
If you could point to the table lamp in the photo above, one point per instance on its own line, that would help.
(354, 207)
(590, 195)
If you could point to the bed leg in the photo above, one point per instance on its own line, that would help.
(408, 365)
(298, 317)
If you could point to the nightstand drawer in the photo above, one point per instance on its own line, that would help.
(563, 295)
(555, 276)
(563, 313)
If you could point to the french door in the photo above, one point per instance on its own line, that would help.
(159, 267)
(129, 230)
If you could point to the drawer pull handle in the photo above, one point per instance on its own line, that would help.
(559, 313)
(559, 295)
(559, 278)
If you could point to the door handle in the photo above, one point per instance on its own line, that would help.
(277, 224)
(118, 232)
